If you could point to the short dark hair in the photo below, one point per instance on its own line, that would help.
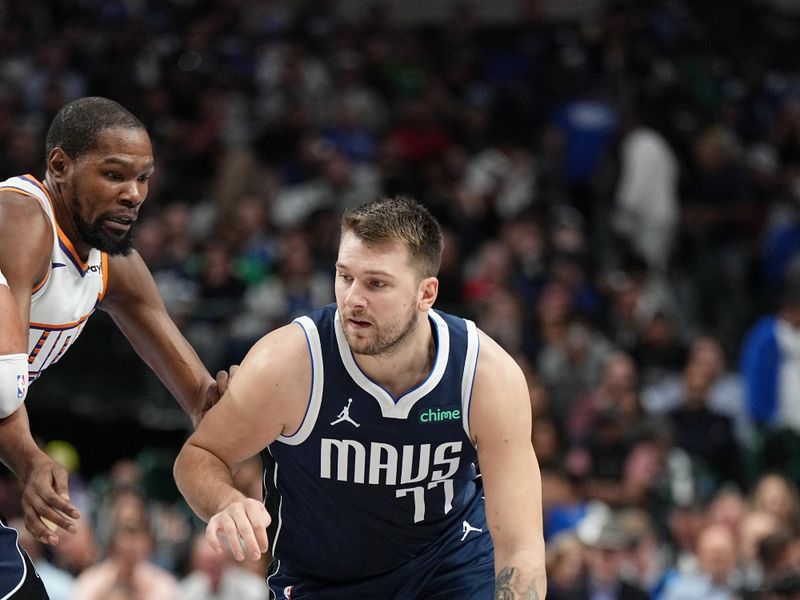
(401, 220)
(77, 124)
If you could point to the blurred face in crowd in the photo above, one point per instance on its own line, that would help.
(619, 376)
(716, 553)
(774, 495)
(605, 564)
(697, 381)
(131, 542)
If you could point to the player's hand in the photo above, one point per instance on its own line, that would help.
(215, 392)
(224, 379)
(45, 502)
(243, 525)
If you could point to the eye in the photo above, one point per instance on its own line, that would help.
(144, 178)
(346, 278)
(114, 176)
(377, 284)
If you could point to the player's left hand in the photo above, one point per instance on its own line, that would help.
(45, 502)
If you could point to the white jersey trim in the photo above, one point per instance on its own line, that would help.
(279, 516)
(317, 384)
(402, 407)
(470, 367)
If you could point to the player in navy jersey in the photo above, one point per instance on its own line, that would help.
(65, 250)
(373, 415)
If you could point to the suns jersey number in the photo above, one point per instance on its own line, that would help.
(48, 345)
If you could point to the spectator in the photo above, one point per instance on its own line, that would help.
(716, 577)
(605, 555)
(213, 576)
(565, 564)
(126, 569)
(775, 495)
(706, 435)
(647, 205)
(770, 365)
(726, 394)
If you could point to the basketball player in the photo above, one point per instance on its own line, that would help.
(373, 415)
(65, 250)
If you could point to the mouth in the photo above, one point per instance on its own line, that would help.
(358, 324)
(119, 223)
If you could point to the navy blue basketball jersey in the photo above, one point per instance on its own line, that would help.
(13, 568)
(369, 482)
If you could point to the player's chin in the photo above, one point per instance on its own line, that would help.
(115, 244)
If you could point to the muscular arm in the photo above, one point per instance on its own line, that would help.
(133, 301)
(267, 397)
(500, 422)
(26, 238)
(12, 333)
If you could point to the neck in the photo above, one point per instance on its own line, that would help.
(406, 366)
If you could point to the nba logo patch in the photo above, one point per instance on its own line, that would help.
(22, 385)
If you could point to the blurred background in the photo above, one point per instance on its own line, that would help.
(619, 184)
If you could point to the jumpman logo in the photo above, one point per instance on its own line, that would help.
(345, 415)
(466, 527)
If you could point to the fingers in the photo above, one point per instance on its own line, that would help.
(45, 503)
(243, 526)
(222, 382)
(61, 487)
(43, 523)
(224, 379)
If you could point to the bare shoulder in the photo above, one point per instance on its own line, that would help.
(495, 365)
(500, 400)
(26, 238)
(279, 349)
(276, 375)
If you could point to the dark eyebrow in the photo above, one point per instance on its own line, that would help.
(115, 160)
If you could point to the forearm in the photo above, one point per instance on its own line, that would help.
(204, 481)
(520, 576)
(18, 450)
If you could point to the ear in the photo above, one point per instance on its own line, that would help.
(428, 290)
(59, 165)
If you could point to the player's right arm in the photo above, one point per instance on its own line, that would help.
(26, 239)
(267, 398)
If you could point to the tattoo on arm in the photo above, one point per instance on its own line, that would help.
(503, 591)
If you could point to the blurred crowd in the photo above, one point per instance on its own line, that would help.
(620, 196)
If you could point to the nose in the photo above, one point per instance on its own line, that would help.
(133, 194)
(355, 297)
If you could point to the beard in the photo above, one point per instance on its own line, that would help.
(94, 234)
(383, 341)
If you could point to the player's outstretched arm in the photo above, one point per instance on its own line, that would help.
(136, 306)
(267, 398)
(500, 422)
(26, 238)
